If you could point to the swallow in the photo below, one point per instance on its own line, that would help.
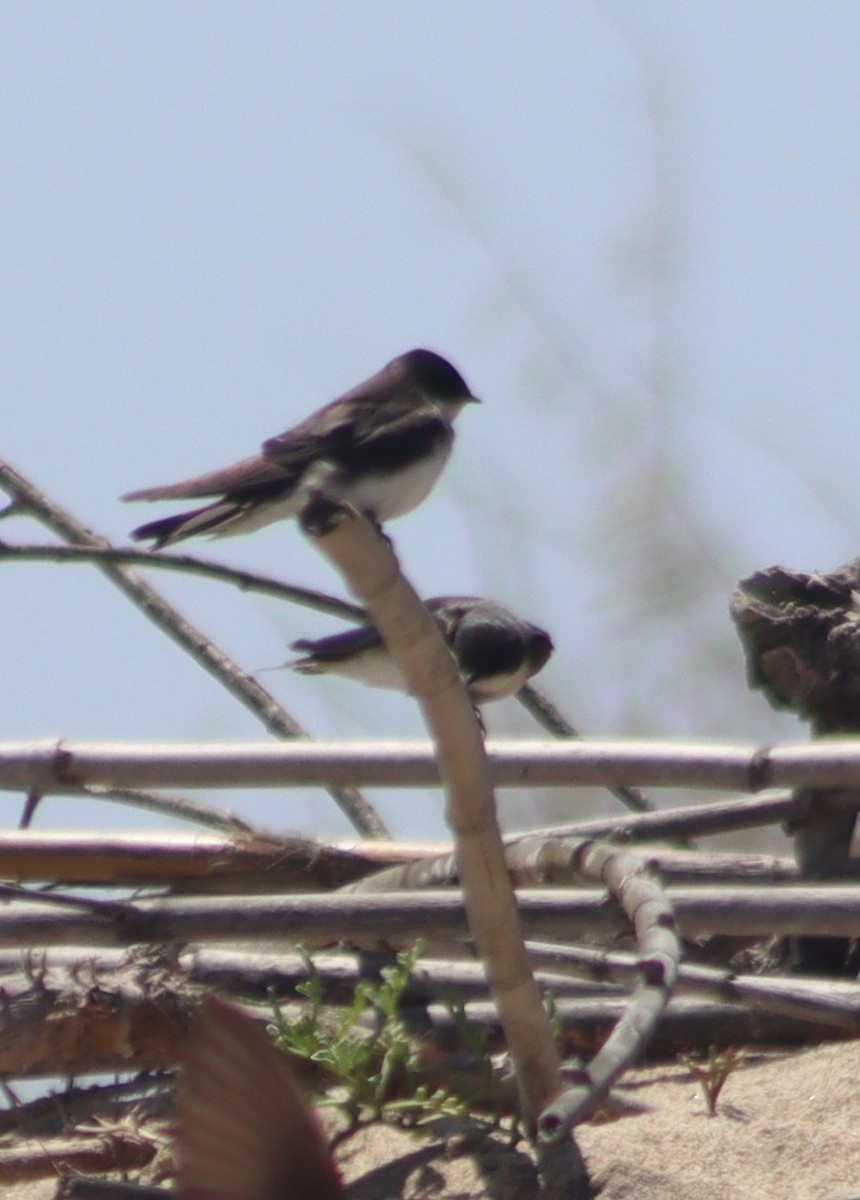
(496, 651)
(380, 447)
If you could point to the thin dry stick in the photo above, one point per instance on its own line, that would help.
(123, 1150)
(835, 1004)
(252, 974)
(367, 563)
(547, 715)
(181, 808)
(539, 706)
(541, 861)
(696, 820)
(240, 685)
(188, 564)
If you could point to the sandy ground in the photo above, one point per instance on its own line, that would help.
(788, 1128)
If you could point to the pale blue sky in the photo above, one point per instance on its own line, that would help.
(634, 229)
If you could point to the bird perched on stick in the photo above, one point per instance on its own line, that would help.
(380, 447)
(245, 1129)
(496, 651)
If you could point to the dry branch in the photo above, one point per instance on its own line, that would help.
(187, 564)
(698, 820)
(121, 1151)
(57, 765)
(546, 860)
(26, 497)
(98, 1025)
(547, 715)
(180, 808)
(272, 864)
(637, 890)
(81, 1187)
(249, 975)
(368, 564)
(258, 864)
(833, 1003)
(94, 1025)
(831, 909)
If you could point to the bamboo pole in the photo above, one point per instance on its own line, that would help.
(60, 764)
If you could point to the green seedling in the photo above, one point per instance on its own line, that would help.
(369, 1054)
(712, 1074)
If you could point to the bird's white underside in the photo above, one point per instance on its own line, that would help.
(384, 496)
(376, 668)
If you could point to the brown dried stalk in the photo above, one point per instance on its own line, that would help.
(370, 568)
(27, 498)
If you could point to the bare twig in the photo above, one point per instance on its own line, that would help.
(188, 564)
(123, 1150)
(696, 820)
(552, 720)
(238, 682)
(181, 808)
(370, 568)
(832, 1003)
(53, 1113)
(542, 861)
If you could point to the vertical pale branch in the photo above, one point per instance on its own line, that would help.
(638, 890)
(27, 498)
(372, 573)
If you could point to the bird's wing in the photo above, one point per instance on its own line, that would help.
(351, 423)
(249, 473)
(361, 419)
(340, 645)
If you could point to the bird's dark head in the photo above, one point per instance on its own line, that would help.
(539, 649)
(436, 377)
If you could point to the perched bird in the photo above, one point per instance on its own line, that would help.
(380, 447)
(495, 650)
(245, 1131)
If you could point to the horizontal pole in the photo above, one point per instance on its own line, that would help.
(58, 765)
(823, 910)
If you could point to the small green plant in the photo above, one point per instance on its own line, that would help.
(712, 1074)
(366, 1048)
